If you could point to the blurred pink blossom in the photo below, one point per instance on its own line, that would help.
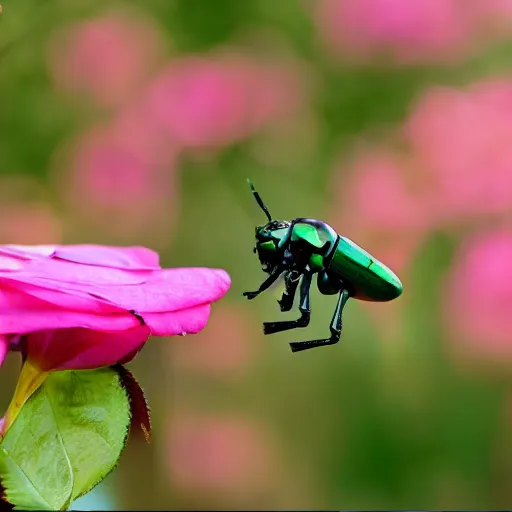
(218, 454)
(209, 101)
(135, 127)
(385, 207)
(225, 350)
(111, 174)
(478, 296)
(385, 192)
(114, 179)
(22, 223)
(26, 216)
(410, 31)
(449, 167)
(108, 57)
(382, 206)
(497, 13)
(462, 136)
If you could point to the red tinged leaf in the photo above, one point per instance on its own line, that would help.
(4, 504)
(138, 404)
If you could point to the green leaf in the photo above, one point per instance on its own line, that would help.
(67, 438)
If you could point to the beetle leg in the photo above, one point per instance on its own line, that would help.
(335, 327)
(291, 282)
(305, 311)
(271, 279)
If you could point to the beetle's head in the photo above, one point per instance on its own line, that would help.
(268, 236)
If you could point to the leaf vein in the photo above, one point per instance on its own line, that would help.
(25, 475)
(59, 436)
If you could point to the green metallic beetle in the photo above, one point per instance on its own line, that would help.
(303, 247)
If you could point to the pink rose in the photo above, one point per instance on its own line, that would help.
(88, 306)
(105, 300)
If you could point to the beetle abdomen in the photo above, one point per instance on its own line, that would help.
(369, 278)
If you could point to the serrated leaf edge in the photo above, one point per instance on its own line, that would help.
(70, 501)
(125, 441)
(125, 374)
(6, 490)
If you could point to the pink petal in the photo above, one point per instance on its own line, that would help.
(9, 264)
(64, 272)
(134, 258)
(73, 349)
(23, 314)
(161, 291)
(30, 308)
(187, 321)
(170, 290)
(28, 251)
(73, 299)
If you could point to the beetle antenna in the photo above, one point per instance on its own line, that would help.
(259, 200)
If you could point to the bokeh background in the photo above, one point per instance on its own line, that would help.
(130, 123)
